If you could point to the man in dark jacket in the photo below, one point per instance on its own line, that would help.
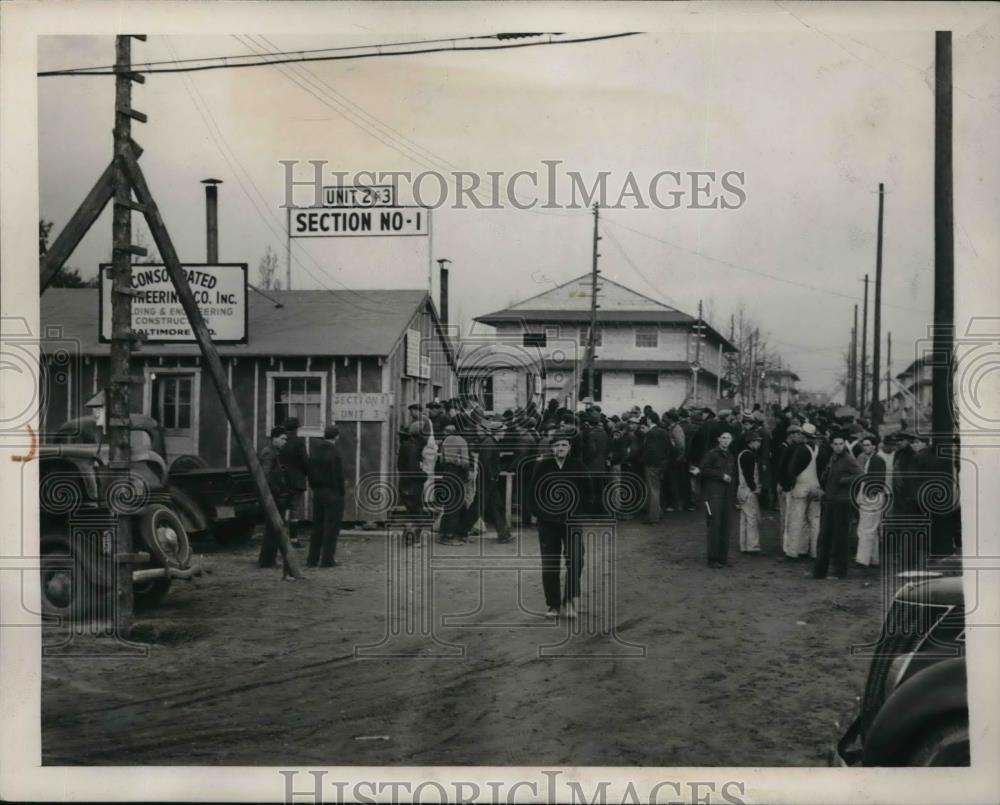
(560, 489)
(270, 463)
(326, 477)
(655, 457)
(595, 459)
(835, 524)
(294, 458)
(718, 487)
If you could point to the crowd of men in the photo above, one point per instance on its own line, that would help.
(828, 477)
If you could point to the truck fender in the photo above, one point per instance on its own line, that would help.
(187, 508)
(922, 700)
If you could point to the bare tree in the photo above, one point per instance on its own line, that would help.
(754, 358)
(267, 271)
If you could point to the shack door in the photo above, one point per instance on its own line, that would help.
(173, 400)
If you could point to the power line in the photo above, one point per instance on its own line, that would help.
(635, 268)
(757, 272)
(219, 138)
(378, 53)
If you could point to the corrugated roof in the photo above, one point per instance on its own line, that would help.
(308, 323)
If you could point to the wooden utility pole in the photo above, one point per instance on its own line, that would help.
(852, 364)
(888, 370)
(593, 311)
(944, 244)
(876, 411)
(698, 328)
(864, 343)
(118, 392)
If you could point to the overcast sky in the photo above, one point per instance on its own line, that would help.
(814, 120)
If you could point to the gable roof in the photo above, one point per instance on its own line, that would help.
(570, 302)
(317, 322)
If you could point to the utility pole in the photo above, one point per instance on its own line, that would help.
(876, 412)
(212, 219)
(288, 249)
(698, 328)
(852, 385)
(944, 245)
(864, 343)
(593, 311)
(888, 370)
(118, 393)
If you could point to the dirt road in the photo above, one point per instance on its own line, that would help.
(748, 665)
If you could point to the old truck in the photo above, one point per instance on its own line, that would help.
(78, 497)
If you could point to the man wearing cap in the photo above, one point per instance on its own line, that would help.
(595, 458)
(560, 490)
(437, 417)
(747, 492)
(803, 516)
(294, 457)
(717, 473)
(420, 425)
(270, 463)
(834, 533)
(326, 477)
(655, 459)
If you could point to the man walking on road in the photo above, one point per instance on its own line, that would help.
(840, 472)
(560, 489)
(871, 502)
(326, 477)
(717, 472)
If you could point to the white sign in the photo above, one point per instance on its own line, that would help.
(220, 291)
(380, 195)
(425, 367)
(413, 353)
(324, 222)
(353, 407)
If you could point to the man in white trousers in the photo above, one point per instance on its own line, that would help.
(747, 494)
(871, 499)
(803, 513)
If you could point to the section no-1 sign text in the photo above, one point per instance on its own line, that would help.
(345, 222)
(220, 291)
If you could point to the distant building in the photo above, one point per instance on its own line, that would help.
(645, 351)
(778, 387)
(914, 392)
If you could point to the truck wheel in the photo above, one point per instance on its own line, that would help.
(238, 532)
(946, 744)
(187, 463)
(164, 536)
(149, 593)
(66, 588)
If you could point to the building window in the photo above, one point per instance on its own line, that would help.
(585, 336)
(647, 336)
(535, 340)
(645, 379)
(301, 395)
(552, 332)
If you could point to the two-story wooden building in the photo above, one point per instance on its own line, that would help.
(646, 353)
(357, 358)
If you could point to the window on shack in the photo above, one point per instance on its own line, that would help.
(298, 395)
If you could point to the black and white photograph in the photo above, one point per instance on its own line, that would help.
(462, 402)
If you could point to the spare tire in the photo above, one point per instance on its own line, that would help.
(164, 536)
(186, 463)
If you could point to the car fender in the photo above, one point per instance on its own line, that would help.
(920, 701)
(187, 508)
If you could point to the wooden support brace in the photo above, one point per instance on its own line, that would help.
(212, 362)
(140, 37)
(132, 113)
(131, 204)
(139, 78)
